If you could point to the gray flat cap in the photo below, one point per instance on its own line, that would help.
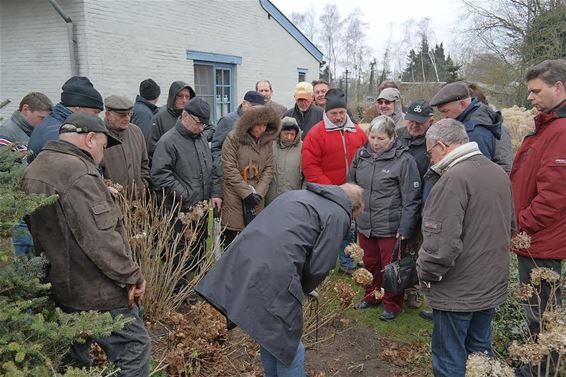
(455, 91)
(118, 104)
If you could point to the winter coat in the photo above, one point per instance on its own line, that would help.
(288, 175)
(327, 154)
(483, 126)
(538, 176)
(503, 155)
(463, 263)
(306, 120)
(47, 130)
(392, 191)
(82, 233)
(417, 147)
(127, 163)
(242, 155)
(16, 130)
(279, 109)
(142, 114)
(182, 165)
(288, 250)
(225, 125)
(167, 116)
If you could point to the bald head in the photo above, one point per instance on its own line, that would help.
(356, 195)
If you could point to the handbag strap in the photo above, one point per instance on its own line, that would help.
(397, 251)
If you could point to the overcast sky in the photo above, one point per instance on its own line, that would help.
(379, 15)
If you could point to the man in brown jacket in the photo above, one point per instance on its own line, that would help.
(463, 262)
(83, 236)
(126, 163)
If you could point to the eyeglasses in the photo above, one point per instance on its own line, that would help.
(123, 115)
(384, 101)
(428, 151)
(196, 120)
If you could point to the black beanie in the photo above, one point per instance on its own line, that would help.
(149, 89)
(79, 91)
(335, 99)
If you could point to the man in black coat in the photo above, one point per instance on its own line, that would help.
(261, 288)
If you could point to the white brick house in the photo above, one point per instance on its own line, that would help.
(220, 47)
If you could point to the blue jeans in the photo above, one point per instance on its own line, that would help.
(21, 240)
(346, 261)
(275, 368)
(456, 335)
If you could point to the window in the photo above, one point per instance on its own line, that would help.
(213, 83)
(214, 80)
(302, 72)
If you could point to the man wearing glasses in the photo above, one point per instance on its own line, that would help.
(389, 104)
(127, 163)
(182, 168)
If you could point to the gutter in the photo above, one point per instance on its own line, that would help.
(71, 40)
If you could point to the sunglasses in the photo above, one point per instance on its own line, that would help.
(384, 101)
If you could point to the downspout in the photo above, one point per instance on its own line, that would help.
(70, 37)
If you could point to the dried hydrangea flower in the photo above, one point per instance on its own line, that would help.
(363, 277)
(344, 292)
(355, 251)
(529, 352)
(524, 292)
(520, 241)
(543, 273)
(378, 294)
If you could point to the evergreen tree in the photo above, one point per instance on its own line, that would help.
(34, 335)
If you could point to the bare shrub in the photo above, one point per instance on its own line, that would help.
(166, 255)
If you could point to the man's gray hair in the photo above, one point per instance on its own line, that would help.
(549, 71)
(449, 131)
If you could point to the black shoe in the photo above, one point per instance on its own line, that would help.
(365, 305)
(426, 314)
(388, 316)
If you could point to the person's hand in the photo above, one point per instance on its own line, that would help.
(140, 290)
(113, 191)
(252, 200)
(217, 203)
(401, 237)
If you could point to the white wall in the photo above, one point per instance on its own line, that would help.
(124, 42)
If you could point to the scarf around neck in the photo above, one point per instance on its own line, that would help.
(459, 154)
(347, 126)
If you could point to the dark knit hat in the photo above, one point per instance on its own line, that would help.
(149, 89)
(199, 108)
(335, 99)
(254, 98)
(79, 91)
(84, 123)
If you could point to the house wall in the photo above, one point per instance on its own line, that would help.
(123, 42)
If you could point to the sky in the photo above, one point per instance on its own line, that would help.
(384, 17)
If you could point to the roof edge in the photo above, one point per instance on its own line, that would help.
(274, 12)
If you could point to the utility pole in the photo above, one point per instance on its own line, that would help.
(346, 79)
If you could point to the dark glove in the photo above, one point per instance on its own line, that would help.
(252, 200)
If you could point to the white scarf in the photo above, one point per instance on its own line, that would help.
(461, 153)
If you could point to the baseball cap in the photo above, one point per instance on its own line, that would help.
(419, 111)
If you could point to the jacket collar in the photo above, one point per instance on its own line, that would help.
(22, 123)
(347, 127)
(544, 119)
(151, 106)
(403, 133)
(461, 153)
(65, 147)
(60, 112)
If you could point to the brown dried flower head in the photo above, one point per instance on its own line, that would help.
(344, 292)
(543, 273)
(363, 277)
(520, 241)
(523, 292)
(529, 352)
(355, 251)
(480, 365)
(378, 294)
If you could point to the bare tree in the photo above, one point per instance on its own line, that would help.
(306, 22)
(330, 35)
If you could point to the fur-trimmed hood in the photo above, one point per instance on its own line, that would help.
(255, 116)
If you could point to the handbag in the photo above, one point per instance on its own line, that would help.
(401, 273)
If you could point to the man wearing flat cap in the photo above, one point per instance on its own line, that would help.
(146, 106)
(84, 238)
(127, 163)
(182, 167)
(78, 96)
(483, 125)
(305, 110)
(226, 124)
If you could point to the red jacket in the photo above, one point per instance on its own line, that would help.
(539, 193)
(325, 153)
